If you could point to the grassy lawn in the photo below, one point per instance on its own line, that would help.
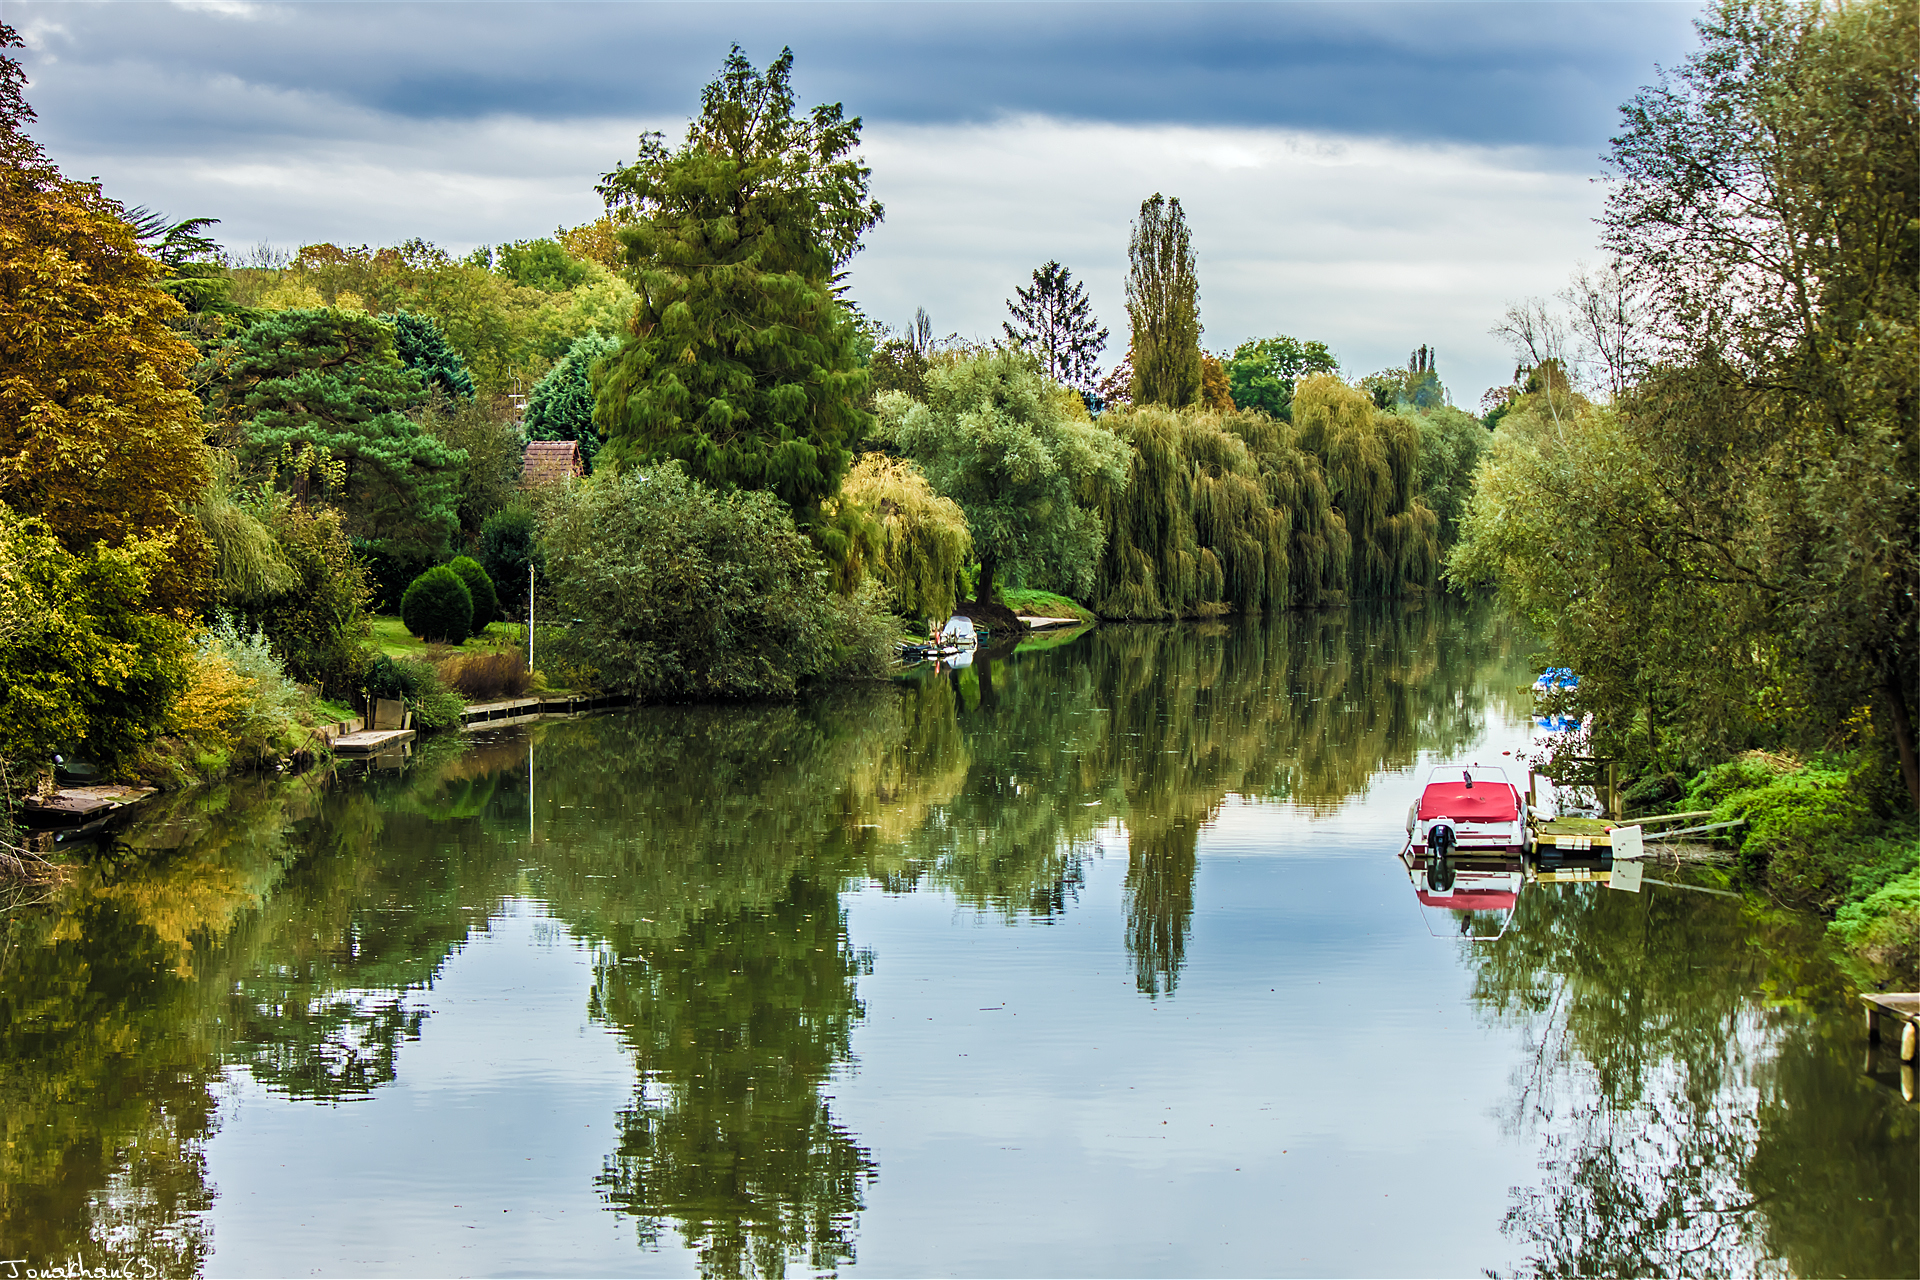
(1044, 604)
(391, 635)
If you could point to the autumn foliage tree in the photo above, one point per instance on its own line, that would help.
(100, 434)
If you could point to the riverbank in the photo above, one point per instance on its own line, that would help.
(1818, 835)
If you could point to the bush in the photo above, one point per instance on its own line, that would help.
(239, 709)
(1752, 770)
(319, 627)
(438, 606)
(507, 545)
(680, 591)
(86, 661)
(1884, 926)
(486, 604)
(1810, 832)
(418, 685)
(479, 676)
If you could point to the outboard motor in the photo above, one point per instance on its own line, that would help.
(1440, 846)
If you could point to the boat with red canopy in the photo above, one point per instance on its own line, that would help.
(1472, 809)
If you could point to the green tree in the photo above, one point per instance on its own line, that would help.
(1163, 303)
(1770, 204)
(1023, 460)
(540, 264)
(329, 381)
(1264, 371)
(1451, 444)
(421, 346)
(561, 405)
(1370, 460)
(742, 362)
(1057, 324)
(925, 542)
(1747, 572)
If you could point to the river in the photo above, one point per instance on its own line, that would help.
(1094, 959)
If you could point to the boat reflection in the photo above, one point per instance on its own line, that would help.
(1466, 894)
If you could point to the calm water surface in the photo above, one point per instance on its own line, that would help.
(1091, 960)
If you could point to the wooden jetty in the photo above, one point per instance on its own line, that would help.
(1901, 1007)
(480, 715)
(371, 742)
(78, 806)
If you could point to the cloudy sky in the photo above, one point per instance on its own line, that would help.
(1377, 176)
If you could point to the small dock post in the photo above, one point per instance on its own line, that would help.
(1902, 1007)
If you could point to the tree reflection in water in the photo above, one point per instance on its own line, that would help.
(1675, 1112)
(702, 853)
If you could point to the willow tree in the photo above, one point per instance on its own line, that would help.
(924, 541)
(741, 361)
(1023, 460)
(1371, 462)
(1163, 304)
(1195, 531)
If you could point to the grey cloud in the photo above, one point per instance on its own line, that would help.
(1548, 75)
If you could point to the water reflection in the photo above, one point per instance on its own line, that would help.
(1675, 1112)
(295, 932)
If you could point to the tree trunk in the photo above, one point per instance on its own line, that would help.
(1903, 734)
(983, 589)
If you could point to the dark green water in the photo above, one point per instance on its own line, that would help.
(1095, 960)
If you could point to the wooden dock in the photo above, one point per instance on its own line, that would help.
(78, 806)
(1902, 1007)
(371, 742)
(480, 715)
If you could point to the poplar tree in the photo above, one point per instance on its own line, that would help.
(742, 362)
(1057, 324)
(1163, 302)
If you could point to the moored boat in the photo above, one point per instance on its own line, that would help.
(1471, 809)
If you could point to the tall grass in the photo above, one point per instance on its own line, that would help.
(480, 676)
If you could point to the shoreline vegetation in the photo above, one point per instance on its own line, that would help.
(240, 495)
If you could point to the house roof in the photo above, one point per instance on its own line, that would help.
(548, 461)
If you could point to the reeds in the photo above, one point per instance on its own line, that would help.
(480, 676)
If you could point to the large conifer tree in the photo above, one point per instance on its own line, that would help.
(1057, 324)
(742, 362)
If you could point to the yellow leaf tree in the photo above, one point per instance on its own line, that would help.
(100, 433)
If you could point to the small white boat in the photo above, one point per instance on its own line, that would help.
(1469, 809)
(959, 631)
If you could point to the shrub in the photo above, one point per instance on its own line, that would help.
(1885, 925)
(1754, 769)
(680, 591)
(438, 607)
(319, 627)
(479, 676)
(239, 708)
(85, 659)
(486, 604)
(418, 685)
(1803, 833)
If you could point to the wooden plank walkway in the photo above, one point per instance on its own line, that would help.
(73, 806)
(480, 714)
(371, 742)
(1901, 1007)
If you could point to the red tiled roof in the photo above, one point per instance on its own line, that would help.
(548, 461)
